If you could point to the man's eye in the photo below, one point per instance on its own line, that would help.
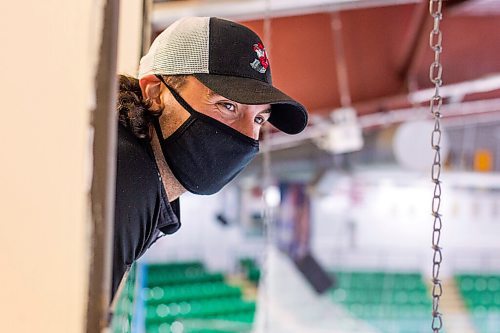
(260, 120)
(228, 106)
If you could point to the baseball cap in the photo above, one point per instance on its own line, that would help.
(228, 58)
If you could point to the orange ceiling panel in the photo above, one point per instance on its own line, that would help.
(384, 47)
(302, 58)
(375, 41)
(471, 49)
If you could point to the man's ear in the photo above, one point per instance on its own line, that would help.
(151, 91)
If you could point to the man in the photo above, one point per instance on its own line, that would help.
(190, 122)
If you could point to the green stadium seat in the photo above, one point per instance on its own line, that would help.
(391, 302)
(185, 291)
(481, 294)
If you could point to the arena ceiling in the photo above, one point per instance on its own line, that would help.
(377, 49)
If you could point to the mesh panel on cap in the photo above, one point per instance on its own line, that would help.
(181, 49)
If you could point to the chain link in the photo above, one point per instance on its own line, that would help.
(435, 76)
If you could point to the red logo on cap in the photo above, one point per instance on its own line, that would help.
(261, 63)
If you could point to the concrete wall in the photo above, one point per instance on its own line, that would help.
(49, 53)
(130, 37)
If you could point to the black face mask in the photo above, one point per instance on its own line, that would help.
(205, 154)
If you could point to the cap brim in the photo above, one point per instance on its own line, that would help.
(287, 114)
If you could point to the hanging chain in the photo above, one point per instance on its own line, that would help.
(435, 75)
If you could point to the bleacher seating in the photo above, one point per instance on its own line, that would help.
(124, 309)
(250, 269)
(185, 297)
(185, 294)
(481, 294)
(391, 302)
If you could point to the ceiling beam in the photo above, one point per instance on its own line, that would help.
(411, 45)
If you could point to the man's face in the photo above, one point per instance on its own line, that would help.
(247, 119)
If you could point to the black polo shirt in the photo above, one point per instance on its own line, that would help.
(142, 210)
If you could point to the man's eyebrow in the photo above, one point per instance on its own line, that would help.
(211, 93)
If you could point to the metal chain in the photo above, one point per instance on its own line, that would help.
(435, 75)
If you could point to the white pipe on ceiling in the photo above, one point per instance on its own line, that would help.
(167, 12)
(459, 90)
(459, 114)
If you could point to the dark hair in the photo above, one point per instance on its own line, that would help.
(133, 111)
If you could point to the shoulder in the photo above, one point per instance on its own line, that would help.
(135, 158)
(136, 172)
(140, 201)
(137, 196)
(132, 149)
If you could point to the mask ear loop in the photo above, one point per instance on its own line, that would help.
(177, 97)
(195, 114)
